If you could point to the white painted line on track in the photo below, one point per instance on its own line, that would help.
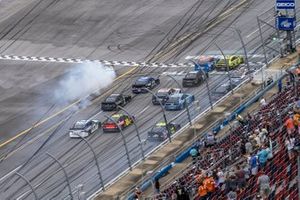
(143, 110)
(10, 173)
(250, 34)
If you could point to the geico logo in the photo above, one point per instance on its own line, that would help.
(285, 4)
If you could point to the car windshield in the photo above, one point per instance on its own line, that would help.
(222, 89)
(173, 100)
(221, 61)
(162, 94)
(142, 80)
(79, 125)
(111, 99)
(157, 129)
(191, 75)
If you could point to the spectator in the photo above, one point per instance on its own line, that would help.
(174, 196)
(296, 119)
(289, 124)
(262, 157)
(263, 135)
(263, 102)
(157, 186)
(241, 179)
(221, 177)
(231, 183)
(210, 140)
(243, 147)
(269, 149)
(232, 195)
(182, 194)
(248, 147)
(264, 186)
(253, 163)
(209, 184)
(194, 154)
(290, 144)
(256, 138)
(202, 192)
(138, 193)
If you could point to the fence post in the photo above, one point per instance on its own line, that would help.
(187, 107)
(123, 138)
(262, 41)
(96, 161)
(164, 113)
(227, 67)
(244, 48)
(65, 172)
(207, 86)
(28, 183)
(136, 129)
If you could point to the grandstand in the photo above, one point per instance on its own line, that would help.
(227, 153)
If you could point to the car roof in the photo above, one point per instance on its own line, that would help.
(143, 78)
(177, 95)
(117, 115)
(82, 122)
(164, 90)
(160, 124)
(114, 95)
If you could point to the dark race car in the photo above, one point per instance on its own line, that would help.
(159, 131)
(164, 94)
(122, 120)
(112, 102)
(144, 82)
(193, 78)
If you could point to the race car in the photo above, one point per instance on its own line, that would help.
(207, 63)
(163, 95)
(224, 89)
(159, 131)
(233, 62)
(84, 128)
(144, 82)
(179, 101)
(122, 120)
(193, 78)
(112, 102)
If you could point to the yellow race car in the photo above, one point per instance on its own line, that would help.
(233, 62)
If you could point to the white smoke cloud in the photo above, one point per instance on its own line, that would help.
(83, 80)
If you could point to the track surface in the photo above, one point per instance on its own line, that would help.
(111, 30)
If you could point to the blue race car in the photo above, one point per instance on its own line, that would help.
(144, 82)
(179, 101)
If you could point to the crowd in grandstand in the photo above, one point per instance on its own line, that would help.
(257, 160)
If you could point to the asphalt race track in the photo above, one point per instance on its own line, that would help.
(153, 31)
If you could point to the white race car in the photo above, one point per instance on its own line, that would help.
(84, 128)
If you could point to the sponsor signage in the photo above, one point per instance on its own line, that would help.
(285, 24)
(280, 4)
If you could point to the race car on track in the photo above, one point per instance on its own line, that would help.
(122, 120)
(233, 62)
(179, 101)
(206, 63)
(163, 95)
(144, 82)
(112, 102)
(193, 78)
(84, 128)
(225, 88)
(159, 131)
